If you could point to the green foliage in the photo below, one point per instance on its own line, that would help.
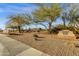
(58, 28)
(77, 31)
(1, 30)
(18, 21)
(61, 27)
(47, 13)
(54, 30)
(72, 15)
(71, 28)
(8, 25)
(74, 29)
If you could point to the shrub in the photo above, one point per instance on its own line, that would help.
(58, 28)
(77, 31)
(55, 30)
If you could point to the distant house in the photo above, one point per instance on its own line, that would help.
(10, 29)
(1, 30)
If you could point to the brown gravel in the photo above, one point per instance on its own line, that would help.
(49, 44)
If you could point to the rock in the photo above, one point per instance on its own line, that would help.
(66, 34)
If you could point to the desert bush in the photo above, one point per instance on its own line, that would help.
(71, 28)
(58, 28)
(55, 30)
(62, 27)
(77, 31)
(1, 30)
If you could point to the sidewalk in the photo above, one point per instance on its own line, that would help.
(11, 47)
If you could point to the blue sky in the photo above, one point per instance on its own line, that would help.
(7, 9)
(15, 8)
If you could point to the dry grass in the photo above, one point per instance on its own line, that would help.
(50, 44)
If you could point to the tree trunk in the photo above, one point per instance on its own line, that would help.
(64, 23)
(19, 29)
(49, 29)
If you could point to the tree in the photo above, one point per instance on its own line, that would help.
(47, 12)
(17, 21)
(64, 18)
(36, 22)
(64, 14)
(70, 15)
(73, 16)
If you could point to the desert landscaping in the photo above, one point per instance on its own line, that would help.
(47, 29)
(50, 44)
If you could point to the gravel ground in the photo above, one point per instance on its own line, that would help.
(50, 44)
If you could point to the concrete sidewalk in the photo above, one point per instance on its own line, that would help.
(12, 47)
(32, 52)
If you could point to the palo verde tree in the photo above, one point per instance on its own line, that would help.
(70, 15)
(73, 16)
(64, 18)
(64, 14)
(17, 21)
(47, 12)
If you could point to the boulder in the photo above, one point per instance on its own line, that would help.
(66, 34)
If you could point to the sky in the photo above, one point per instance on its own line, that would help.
(7, 9)
(15, 8)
